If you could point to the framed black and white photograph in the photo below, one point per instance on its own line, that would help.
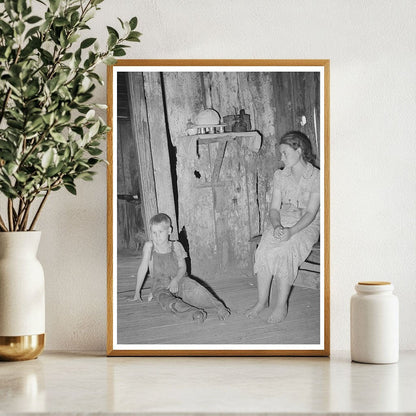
(218, 208)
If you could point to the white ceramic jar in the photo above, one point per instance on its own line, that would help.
(374, 323)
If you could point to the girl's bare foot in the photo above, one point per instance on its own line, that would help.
(255, 310)
(278, 315)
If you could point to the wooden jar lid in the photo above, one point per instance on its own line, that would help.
(374, 283)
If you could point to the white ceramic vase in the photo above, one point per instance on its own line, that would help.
(22, 296)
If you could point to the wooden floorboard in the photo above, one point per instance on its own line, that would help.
(147, 323)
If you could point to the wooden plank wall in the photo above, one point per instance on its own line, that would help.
(159, 147)
(130, 227)
(141, 138)
(219, 221)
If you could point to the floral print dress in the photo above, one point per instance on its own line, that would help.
(283, 258)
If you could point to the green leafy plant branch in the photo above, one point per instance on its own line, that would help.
(50, 134)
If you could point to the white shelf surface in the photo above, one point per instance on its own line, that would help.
(88, 383)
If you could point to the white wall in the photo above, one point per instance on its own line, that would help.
(371, 45)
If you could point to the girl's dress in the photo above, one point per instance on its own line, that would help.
(282, 259)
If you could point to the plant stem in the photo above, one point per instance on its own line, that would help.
(3, 109)
(2, 225)
(9, 91)
(20, 213)
(39, 209)
(10, 213)
(26, 216)
(32, 149)
(28, 204)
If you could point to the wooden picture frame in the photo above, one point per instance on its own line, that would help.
(215, 184)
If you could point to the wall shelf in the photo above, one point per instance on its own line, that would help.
(250, 139)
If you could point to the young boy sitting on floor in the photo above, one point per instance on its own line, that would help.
(171, 287)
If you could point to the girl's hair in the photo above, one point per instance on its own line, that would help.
(296, 140)
(160, 218)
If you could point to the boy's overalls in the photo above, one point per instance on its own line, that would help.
(191, 296)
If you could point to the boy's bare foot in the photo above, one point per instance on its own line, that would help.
(278, 315)
(255, 310)
(199, 316)
(223, 313)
